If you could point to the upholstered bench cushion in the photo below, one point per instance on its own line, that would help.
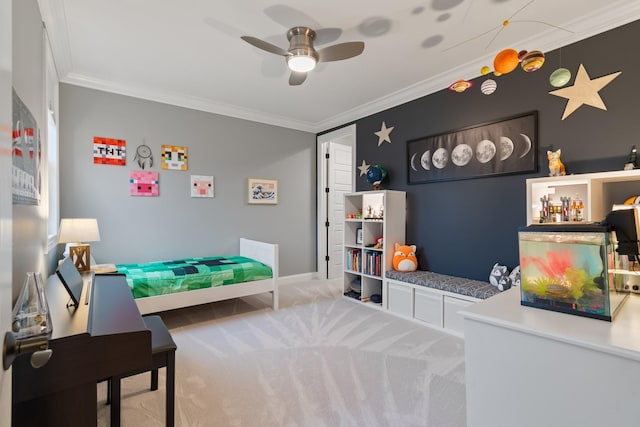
(457, 285)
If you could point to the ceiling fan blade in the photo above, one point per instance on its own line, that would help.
(261, 44)
(341, 51)
(297, 78)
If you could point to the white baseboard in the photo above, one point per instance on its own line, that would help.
(296, 278)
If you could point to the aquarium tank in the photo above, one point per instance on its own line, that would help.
(571, 269)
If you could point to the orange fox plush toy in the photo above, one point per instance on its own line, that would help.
(404, 258)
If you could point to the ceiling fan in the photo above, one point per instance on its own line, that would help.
(301, 56)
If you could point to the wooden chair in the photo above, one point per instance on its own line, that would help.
(163, 350)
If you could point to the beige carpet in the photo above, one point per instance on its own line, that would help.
(321, 360)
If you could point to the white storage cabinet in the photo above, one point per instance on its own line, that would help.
(433, 307)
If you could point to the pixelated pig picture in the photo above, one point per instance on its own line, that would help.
(201, 186)
(144, 183)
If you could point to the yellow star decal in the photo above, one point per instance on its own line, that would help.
(384, 134)
(584, 91)
(364, 168)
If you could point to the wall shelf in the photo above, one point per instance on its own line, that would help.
(599, 192)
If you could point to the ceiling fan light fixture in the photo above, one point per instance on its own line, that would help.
(301, 57)
(301, 63)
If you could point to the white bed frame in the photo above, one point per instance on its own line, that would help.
(266, 253)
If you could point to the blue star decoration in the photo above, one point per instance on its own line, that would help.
(384, 134)
(364, 168)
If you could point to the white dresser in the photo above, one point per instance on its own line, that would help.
(529, 367)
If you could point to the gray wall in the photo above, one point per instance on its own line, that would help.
(29, 222)
(464, 227)
(135, 229)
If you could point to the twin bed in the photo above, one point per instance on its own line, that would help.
(167, 285)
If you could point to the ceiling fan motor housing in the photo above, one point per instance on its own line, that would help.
(301, 42)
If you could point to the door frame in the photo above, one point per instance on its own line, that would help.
(322, 142)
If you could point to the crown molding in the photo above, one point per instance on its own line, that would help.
(194, 103)
(53, 14)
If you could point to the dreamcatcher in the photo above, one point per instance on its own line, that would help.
(144, 157)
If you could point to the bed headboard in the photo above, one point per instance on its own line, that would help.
(266, 253)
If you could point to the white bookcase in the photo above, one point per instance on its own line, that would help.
(371, 215)
(599, 191)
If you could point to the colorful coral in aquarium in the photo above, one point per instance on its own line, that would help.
(569, 277)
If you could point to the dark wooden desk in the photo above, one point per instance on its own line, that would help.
(105, 336)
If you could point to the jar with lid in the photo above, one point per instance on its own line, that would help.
(577, 209)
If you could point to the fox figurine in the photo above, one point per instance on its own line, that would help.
(556, 167)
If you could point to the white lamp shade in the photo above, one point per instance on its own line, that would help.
(77, 230)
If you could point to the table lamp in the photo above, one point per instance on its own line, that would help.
(76, 232)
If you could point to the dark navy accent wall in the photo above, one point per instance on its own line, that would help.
(464, 227)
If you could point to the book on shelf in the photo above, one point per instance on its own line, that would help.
(353, 260)
(372, 263)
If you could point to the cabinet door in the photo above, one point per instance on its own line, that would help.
(452, 319)
(428, 307)
(400, 299)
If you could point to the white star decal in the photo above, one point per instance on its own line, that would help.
(584, 91)
(384, 134)
(364, 168)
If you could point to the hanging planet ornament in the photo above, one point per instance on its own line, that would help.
(532, 61)
(485, 70)
(506, 61)
(488, 86)
(560, 77)
(460, 86)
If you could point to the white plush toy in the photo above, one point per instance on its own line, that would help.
(514, 276)
(499, 277)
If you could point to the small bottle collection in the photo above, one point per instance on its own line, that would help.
(567, 210)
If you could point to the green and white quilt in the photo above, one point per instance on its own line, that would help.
(166, 277)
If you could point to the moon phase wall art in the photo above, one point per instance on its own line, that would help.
(507, 146)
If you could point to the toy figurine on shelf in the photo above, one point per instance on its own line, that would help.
(544, 212)
(556, 167)
(632, 162)
(566, 208)
(577, 206)
(379, 243)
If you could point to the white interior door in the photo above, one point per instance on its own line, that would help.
(340, 183)
(336, 154)
(6, 223)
